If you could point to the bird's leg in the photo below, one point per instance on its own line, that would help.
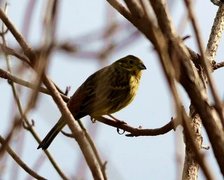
(117, 120)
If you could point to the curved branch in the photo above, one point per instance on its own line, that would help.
(139, 131)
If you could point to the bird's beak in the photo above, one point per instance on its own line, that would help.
(141, 66)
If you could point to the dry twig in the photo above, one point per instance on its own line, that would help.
(19, 161)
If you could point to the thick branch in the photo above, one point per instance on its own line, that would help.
(193, 140)
(205, 63)
(188, 77)
(216, 34)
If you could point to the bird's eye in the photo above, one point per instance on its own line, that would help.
(131, 62)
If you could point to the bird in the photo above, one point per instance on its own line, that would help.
(105, 92)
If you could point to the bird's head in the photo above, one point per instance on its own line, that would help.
(130, 63)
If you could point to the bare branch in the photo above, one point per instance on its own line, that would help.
(138, 131)
(204, 63)
(12, 52)
(216, 34)
(179, 59)
(132, 131)
(218, 65)
(27, 124)
(193, 140)
(135, 8)
(19, 161)
(15, 126)
(74, 126)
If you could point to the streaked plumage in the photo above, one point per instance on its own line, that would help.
(105, 92)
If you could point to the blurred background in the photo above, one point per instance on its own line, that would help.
(98, 36)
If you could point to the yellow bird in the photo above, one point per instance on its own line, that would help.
(105, 92)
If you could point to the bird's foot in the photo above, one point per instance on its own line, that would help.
(92, 119)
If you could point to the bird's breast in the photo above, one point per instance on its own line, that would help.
(134, 84)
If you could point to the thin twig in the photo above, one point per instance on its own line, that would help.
(17, 121)
(32, 131)
(12, 52)
(37, 164)
(218, 65)
(6, 75)
(20, 162)
(102, 165)
(15, 126)
(29, 12)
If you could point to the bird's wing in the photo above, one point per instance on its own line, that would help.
(119, 98)
(82, 100)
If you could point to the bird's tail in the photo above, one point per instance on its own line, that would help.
(45, 143)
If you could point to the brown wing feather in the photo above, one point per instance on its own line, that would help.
(81, 103)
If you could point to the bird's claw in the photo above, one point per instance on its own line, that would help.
(93, 119)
